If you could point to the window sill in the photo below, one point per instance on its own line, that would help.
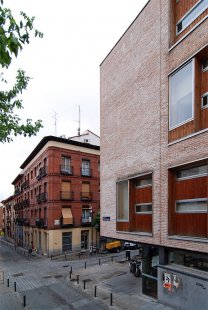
(193, 239)
(142, 234)
(188, 137)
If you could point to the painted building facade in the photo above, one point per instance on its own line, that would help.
(57, 196)
(154, 147)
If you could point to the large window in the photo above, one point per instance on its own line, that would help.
(182, 95)
(192, 206)
(191, 15)
(122, 201)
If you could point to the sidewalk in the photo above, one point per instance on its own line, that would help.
(9, 300)
(114, 277)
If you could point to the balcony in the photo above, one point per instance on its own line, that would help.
(86, 196)
(18, 206)
(66, 169)
(66, 195)
(19, 221)
(25, 203)
(86, 221)
(25, 185)
(41, 222)
(17, 191)
(42, 173)
(41, 197)
(86, 172)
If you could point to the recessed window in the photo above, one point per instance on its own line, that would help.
(205, 101)
(192, 206)
(66, 165)
(193, 172)
(122, 201)
(86, 168)
(144, 182)
(191, 15)
(144, 208)
(182, 95)
(205, 64)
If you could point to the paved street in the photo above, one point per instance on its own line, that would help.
(46, 283)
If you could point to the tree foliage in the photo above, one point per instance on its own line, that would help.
(13, 36)
(96, 222)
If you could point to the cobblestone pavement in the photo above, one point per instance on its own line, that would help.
(47, 283)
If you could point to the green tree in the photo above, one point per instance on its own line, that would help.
(13, 36)
(96, 222)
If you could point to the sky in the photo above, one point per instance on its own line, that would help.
(64, 67)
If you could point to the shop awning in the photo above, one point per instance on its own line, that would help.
(67, 216)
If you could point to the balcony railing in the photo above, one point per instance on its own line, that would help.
(86, 221)
(42, 173)
(25, 185)
(86, 172)
(87, 196)
(25, 203)
(41, 197)
(66, 169)
(41, 222)
(67, 195)
(17, 191)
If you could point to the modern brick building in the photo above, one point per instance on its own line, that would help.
(154, 147)
(57, 195)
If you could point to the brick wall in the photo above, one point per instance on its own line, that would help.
(134, 117)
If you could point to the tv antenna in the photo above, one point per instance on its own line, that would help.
(55, 122)
(79, 121)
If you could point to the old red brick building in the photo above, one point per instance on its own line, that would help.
(154, 137)
(57, 195)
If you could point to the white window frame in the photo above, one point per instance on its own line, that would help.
(192, 20)
(193, 93)
(206, 106)
(143, 204)
(191, 200)
(146, 185)
(194, 176)
(117, 219)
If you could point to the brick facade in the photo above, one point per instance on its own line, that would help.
(135, 120)
(39, 199)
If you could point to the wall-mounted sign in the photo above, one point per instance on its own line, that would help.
(106, 218)
(56, 222)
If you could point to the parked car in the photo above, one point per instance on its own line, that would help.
(130, 246)
(113, 246)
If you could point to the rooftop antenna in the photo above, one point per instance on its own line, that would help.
(55, 122)
(78, 129)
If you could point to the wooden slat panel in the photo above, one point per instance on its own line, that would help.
(143, 223)
(143, 195)
(187, 224)
(122, 226)
(181, 131)
(191, 188)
